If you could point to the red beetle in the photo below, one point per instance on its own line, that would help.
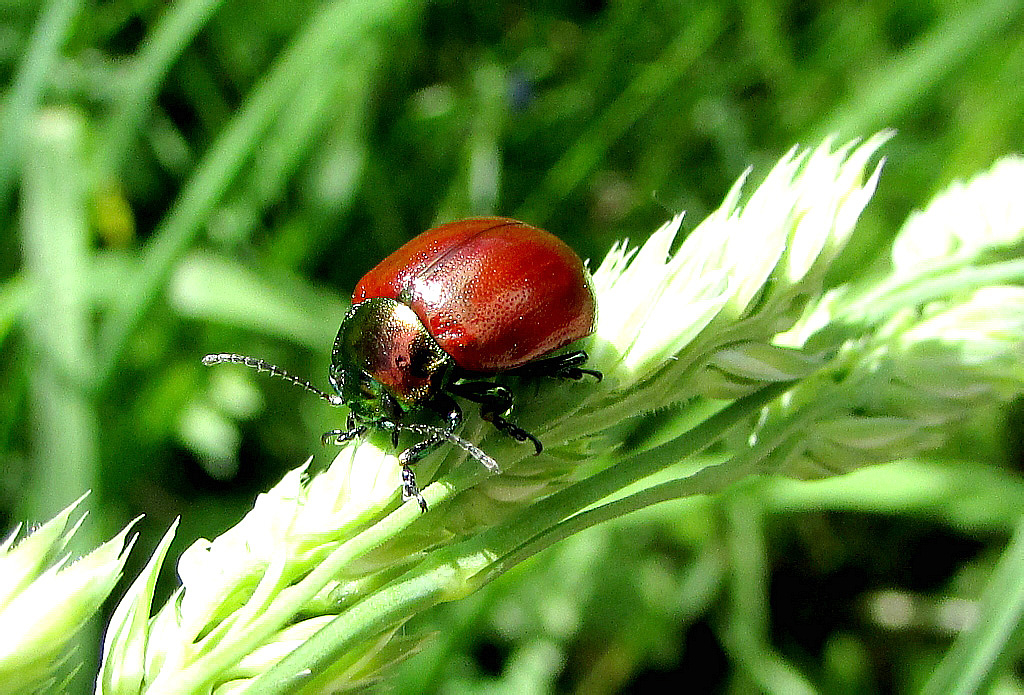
(455, 305)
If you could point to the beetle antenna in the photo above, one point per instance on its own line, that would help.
(264, 366)
(469, 447)
(473, 450)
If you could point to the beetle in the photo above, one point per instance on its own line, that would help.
(439, 318)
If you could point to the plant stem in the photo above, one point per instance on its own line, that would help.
(452, 572)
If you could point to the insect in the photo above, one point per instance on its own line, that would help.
(438, 319)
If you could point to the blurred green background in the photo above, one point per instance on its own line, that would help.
(206, 176)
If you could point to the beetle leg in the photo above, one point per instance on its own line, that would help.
(565, 366)
(495, 402)
(502, 425)
(450, 411)
(420, 449)
(409, 488)
(395, 433)
(393, 415)
(342, 436)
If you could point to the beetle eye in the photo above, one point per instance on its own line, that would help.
(422, 363)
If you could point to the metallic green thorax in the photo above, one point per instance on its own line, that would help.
(385, 361)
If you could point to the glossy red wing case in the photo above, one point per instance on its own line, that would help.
(494, 293)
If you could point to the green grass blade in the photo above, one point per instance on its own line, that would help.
(28, 85)
(885, 97)
(14, 298)
(653, 82)
(173, 33)
(977, 654)
(339, 26)
(56, 247)
(212, 288)
(56, 241)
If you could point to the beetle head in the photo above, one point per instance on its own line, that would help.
(385, 358)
